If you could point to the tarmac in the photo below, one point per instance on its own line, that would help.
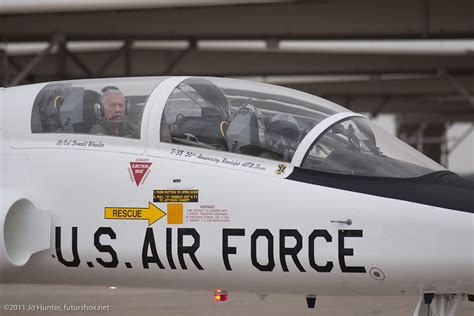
(18, 300)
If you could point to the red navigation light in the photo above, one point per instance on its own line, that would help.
(220, 295)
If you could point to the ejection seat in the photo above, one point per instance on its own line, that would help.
(245, 133)
(89, 116)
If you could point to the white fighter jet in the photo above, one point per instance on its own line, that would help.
(228, 186)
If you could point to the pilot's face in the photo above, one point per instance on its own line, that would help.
(114, 108)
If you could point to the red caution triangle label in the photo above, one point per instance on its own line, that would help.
(139, 169)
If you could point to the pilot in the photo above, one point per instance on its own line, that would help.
(281, 137)
(112, 114)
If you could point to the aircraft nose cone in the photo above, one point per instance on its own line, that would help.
(452, 191)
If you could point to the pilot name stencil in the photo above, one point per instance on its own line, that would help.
(79, 143)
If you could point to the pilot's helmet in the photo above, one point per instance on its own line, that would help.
(282, 135)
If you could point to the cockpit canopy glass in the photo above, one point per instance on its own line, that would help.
(243, 117)
(111, 107)
(356, 146)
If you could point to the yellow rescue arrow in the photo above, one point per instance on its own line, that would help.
(152, 213)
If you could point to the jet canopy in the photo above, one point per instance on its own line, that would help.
(230, 115)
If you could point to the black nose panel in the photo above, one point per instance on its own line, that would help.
(442, 189)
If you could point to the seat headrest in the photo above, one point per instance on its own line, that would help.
(89, 100)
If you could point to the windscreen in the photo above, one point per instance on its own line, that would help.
(356, 146)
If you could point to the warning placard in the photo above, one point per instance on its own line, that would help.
(207, 214)
(138, 170)
(175, 196)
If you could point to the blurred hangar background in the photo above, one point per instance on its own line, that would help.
(408, 64)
